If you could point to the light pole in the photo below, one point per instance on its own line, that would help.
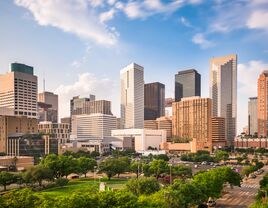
(95, 168)
(170, 173)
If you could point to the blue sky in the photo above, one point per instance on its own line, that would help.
(79, 46)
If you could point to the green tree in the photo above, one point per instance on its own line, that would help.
(182, 171)
(221, 155)
(158, 167)
(114, 166)
(38, 174)
(184, 194)
(136, 167)
(60, 165)
(143, 185)
(6, 179)
(122, 199)
(85, 165)
(21, 198)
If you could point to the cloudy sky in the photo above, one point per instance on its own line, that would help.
(79, 46)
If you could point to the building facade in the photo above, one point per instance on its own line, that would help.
(218, 132)
(262, 104)
(92, 126)
(154, 100)
(140, 140)
(18, 91)
(46, 113)
(65, 120)
(187, 84)
(59, 131)
(132, 96)
(253, 115)
(223, 92)
(15, 125)
(31, 145)
(192, 120)
(50, 99)
(80, 106)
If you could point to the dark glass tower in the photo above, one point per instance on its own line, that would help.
(154, 100)
(187, 84)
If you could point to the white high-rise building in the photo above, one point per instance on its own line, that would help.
(92, 126)
(223, 92)
(18, 91)
(132, 97)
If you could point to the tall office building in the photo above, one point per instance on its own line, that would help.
(192, 120)
(51, 99)
(132, 96)
(154, 100)
(253, 115)
(187, 84)
(93, 126)
(18, 91)
(223, 91)
(262, 104)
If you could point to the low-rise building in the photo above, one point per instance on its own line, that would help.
(175, 148)
(21, 162)
(140, 139)
(35, 145)
(244, 142)
(218, 132)
(162, 123)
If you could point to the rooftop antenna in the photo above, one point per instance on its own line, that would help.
(44, 82)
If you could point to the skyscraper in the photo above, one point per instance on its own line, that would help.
(192, 120)
(132, 96)
(18, 91)
(154, 100)
(187, 84)
(223, 91)
(50, 113)
(253, 115)
(262, 104)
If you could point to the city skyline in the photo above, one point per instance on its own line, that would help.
(73, 65)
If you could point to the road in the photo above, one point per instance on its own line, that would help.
(241, 197)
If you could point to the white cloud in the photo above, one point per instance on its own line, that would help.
(108, 15)
(201, 40)
(142, 9)
(74, 16)
(86, 84)
(258, 20)
(185, 22)
(247, 75)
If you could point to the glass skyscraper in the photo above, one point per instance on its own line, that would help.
(187, 84)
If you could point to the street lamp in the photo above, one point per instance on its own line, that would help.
(95, 169)
(170, 173)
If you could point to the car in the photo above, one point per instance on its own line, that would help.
(211, 203)
(252, 176)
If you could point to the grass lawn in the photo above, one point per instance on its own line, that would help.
(83, 184)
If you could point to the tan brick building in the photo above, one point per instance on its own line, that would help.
(162, 123)
(262, 104)
(218, 132)
(14, 125)
(192, 120)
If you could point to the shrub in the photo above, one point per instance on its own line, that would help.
(62, 181)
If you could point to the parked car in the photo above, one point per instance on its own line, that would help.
(252, 175)
(211, 202)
